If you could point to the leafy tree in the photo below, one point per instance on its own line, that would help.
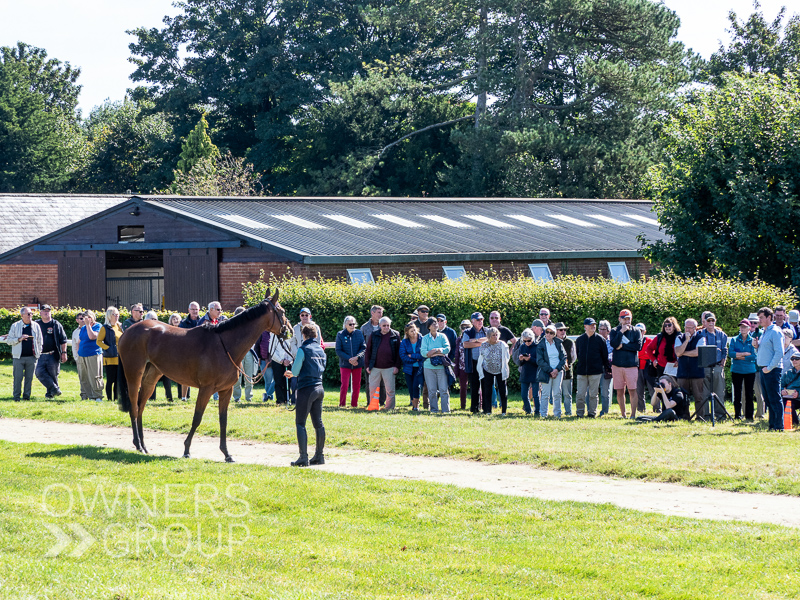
(40, 143)
(198, 145)
(727, 191)
(354, 143)
(219, 175)
(758, 46)
(128, 148)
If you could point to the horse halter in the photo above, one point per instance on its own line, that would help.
(285, 329)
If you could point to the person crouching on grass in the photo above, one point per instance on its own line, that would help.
(309, 365)
(674, 401)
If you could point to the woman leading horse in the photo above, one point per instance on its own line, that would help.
(205, 358)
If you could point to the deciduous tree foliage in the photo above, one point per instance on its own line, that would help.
(728, 189)
(563, 90)
(40, 144)
(758, 46)
(128, 148)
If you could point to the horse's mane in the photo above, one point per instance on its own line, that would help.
(251, 314)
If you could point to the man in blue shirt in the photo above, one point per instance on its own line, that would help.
(769, 359)
(712, 335)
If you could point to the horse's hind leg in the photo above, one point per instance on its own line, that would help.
(203, 396)
(224, 402)
(133, 376)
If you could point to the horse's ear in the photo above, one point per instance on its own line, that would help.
(275, 297)
(266, 296)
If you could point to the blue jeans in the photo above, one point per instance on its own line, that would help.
(551, 389)
(47, 369)
(269, 379)
(605, 391)
(414, 381)
(771, 389)
(526, 403)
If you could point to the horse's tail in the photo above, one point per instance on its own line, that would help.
(124, 398)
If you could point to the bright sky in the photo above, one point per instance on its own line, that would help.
(91, 34)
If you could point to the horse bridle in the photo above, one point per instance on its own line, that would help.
(281, 337)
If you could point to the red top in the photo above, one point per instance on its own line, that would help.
(646, 353)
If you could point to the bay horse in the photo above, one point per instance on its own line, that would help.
(205, 357)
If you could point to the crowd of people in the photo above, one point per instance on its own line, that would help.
(677, 364)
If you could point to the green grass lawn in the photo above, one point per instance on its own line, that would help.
(732, 456)
(308, 534)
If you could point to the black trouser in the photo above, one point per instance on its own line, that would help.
(167, 383)
(111, 382)
(487, 383)
(285, 391)
(309, 402)
(747, 380)
(666, 415)
(475, 390)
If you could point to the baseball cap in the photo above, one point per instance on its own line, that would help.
(466, 322)
(476, 315)
(625, 313)
(709, 315)
(560, 325)
(744, 322)
(589, 321)
(550, 327)
(304, 309)
(640, 326)
(48, 307)
(794, 316)
(441, 316)
(538, 323)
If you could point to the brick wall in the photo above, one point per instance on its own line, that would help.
(232, 274)
(22, 284)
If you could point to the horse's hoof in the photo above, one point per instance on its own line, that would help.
(229, 458)
(144, 450)
(186, 455)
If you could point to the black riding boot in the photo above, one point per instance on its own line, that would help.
(302, 443)
(319, 458)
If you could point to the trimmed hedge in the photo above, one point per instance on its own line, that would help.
(65, 316)
(570, 299)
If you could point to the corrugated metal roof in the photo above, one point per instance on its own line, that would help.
(317, 227)
(27, 217)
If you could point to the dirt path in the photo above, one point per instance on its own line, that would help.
(513, 480)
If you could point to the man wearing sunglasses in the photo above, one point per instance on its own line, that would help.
(137, 312)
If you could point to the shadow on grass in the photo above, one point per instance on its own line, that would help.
(95, 453)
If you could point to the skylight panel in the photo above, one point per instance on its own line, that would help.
(352, 222)
(610, 220)
(446, 221)
(300, 222)
(532, 221)
(246, 222)
(489, 221)
(400, 221)
(573, 221)
(647, 220)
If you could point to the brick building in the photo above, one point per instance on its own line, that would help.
(94, 251)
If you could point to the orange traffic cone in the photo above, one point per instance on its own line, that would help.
(375, 403)
(787, 414)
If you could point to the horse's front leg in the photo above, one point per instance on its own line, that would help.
(224, 401)
(203, 396)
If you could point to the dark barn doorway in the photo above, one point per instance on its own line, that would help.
(135, 276)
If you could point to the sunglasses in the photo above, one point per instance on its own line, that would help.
(440, 320)
(351, 324)
(550, 333)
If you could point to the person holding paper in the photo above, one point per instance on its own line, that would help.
(626, 342)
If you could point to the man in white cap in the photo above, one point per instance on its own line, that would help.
(794, 322)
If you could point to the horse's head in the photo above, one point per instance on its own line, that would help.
(284, 327)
